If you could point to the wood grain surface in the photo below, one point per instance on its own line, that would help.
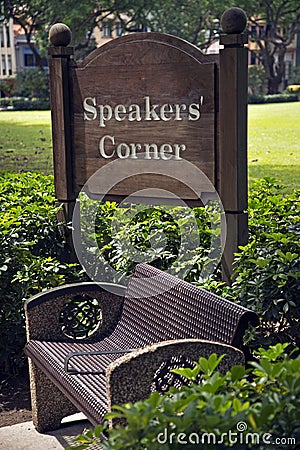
(134, 72)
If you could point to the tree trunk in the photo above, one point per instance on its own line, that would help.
(276, 69)
(273, 86)
(38, 59)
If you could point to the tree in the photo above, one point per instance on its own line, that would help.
(273, 24)
(194, 20)
(197, 21)
(35, 18)
(295, 76)
(256, 79)
(33, 83)
(29, 15)
(273, 27)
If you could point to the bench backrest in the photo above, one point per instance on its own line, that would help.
(159, 307)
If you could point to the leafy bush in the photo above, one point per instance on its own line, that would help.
(268, 268)
(275, 98)
(295, 75)
(32, 92)
(162, 236)
(33, 82)
(256, 79)
(31, 243)
(8, 86)
(245, 408)
(25, 104)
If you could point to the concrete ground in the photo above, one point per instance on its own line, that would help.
(23, 436)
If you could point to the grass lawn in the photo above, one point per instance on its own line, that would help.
(25, 141)
(273, 138)
(274, 142)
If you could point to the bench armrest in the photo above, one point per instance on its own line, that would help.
(74, 371)
(129, 378)
(51, 314)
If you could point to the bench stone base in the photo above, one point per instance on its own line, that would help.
(49, 404)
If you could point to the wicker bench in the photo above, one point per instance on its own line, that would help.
(91, 346)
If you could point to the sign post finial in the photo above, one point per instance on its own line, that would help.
(60, 35)
(234, 21)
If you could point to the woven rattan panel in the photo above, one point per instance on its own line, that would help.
(161, 307)
(88, 392)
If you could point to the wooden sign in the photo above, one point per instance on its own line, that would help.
(144, 109)
(144, 98)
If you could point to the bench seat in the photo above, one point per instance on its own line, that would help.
(155, 319)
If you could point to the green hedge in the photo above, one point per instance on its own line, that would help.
(20, 103)
(24, 104)
(31, 243)
(267, 269)
(275, 98)
(256, 408)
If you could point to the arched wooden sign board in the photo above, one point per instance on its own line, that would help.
(149, 100)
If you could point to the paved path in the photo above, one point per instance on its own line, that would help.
(23, 436)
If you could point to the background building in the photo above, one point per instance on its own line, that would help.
(7, 50)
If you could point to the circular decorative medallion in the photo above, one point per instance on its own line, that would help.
(81, 316)
(164, 379)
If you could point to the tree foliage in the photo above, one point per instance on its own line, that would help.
(242, 409)
(33, 83)
(30, 16)
(194, 20)
(256, 79)
(273, 26)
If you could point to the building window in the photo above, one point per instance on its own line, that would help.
(252, 58)
(288, 69)
(119, 28)
(1, 37)
(7, 37)
(3, 61)
(106, 29)
(29, 60)
(261, 31)
(9, 65)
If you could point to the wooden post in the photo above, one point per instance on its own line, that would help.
(196, 79)
(60, 37)
(232, 173)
